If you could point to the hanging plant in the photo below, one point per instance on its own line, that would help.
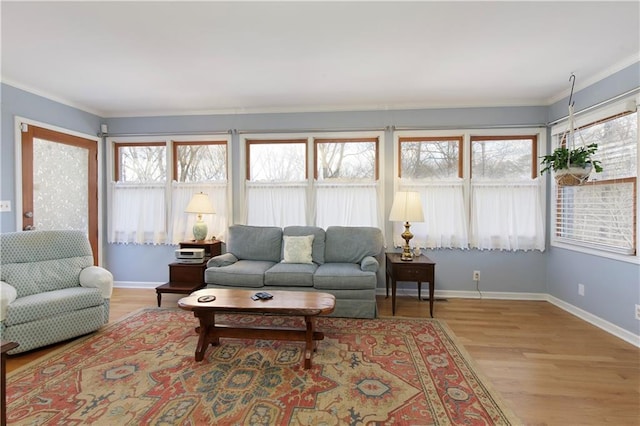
(571, 166)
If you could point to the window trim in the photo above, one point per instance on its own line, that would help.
(249, 142)
(534, 149)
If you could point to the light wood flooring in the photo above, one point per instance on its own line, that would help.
(549, 367)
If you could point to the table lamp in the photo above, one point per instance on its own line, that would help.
(407, 206)
(200, 204)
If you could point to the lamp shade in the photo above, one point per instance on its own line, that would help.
(407, 207)
(200, 204)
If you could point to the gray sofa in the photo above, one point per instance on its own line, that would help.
(49, 289)
(343, 261)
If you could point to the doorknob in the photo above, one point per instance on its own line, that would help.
(28, 214)
(29, 228)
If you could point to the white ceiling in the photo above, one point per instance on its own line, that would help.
(156, 58)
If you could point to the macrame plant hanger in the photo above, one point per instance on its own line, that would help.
(572, 177)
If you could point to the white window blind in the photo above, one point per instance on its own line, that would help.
(602, 213)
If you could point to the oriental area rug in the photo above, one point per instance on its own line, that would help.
(141, 371)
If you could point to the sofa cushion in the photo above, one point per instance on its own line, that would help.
(297, 249)
(317, 253)
(347, 276)
(255, 242)
(350, 244)
(243, 273)
(46, 275)
(290, 275)
(52, 303)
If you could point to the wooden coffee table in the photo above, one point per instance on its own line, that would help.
(295, 303)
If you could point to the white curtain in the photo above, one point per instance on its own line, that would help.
(273, 204)
(182, 223)
(346, 204)
(445, 218)
(137, 214)
(507, 216)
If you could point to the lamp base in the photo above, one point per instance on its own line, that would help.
(200, 231)
(406, 256)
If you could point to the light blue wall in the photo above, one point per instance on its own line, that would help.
(16, 102)
(612, 287)
(454, 267)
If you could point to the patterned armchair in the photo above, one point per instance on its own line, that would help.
(49, 289)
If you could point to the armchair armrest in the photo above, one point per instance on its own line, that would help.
(370, 264)
(8, 294)
(222, 260)
(97, 277)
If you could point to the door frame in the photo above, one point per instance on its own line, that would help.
(18, 121)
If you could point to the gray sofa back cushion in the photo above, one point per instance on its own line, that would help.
(317, 250)
(255, 242)
(350, 244)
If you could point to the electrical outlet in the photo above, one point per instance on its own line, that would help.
(5, 206)
(581, 289)
(637, 312)
(476, 275)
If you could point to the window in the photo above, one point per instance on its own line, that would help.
(496, 204)
(346, 175)
(147, 197)
(276, 182)
(342, 190)
(602, 214)
(432, 166)
(506, 195)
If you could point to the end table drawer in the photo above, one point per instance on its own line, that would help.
(410, 274)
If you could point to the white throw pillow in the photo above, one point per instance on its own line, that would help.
(297, 249)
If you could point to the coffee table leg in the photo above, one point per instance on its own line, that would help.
(206, 333)
(309, 342)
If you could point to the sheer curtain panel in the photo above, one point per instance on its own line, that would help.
(182, 223)
(270, 204)
(137, 214)
(507, 216)
(349, 204)
(445, 219)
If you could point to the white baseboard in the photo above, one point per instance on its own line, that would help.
(605, 325)
(136, 284)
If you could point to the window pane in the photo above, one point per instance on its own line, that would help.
(429, 159)
(277, 162)
(142, 163)
(617, 147)
(346, 160)
(201, 162)
(501, 158)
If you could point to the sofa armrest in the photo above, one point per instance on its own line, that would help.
(97, 277)
(222, 260)
(370, 264)
(8, 294)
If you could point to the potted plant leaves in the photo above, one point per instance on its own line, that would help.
(571, 166)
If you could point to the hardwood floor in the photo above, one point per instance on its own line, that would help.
(550, 367)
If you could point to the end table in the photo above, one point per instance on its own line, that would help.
(185, 278)
(420, 269)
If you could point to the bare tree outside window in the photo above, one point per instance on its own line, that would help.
(503, 157)
(200, 161)
(276, 161)
(346, 160)
(141, 163)
(430, 158)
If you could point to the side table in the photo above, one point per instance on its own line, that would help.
(185, 278)
(420, 269)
